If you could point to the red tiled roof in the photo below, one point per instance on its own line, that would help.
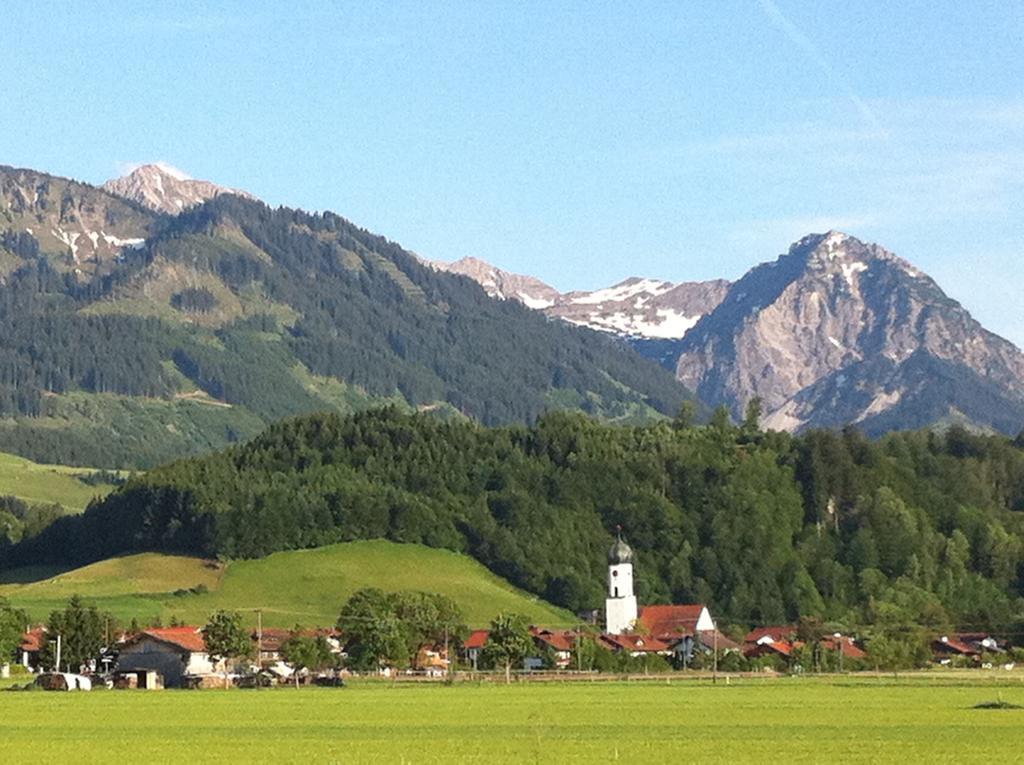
(670, 620)
(777, 633)
(635, 643)
(707, 637)
(850, 649)
(952, 645)
(754, 650)
(189, 638)
(560, 640)
(476, 639)
(33, 640)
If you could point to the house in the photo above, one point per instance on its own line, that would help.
(31, 647)
(845, 646)
(635, 645)
(982, 642)
(768, 647)
(685, 628)
(781, 633)
(473, 645)
(948, 647)
(431, 660)
(175, 652)
(561, 643)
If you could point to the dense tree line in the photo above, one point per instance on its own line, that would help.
(917, 528)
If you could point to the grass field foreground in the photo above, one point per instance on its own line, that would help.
(305, 587)
(754, 721)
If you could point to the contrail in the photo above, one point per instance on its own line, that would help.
(803, 42)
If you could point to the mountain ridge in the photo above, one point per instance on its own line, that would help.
(231, 315)
(868, 323)
(165, 189)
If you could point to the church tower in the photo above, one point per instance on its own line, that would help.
(620, 609)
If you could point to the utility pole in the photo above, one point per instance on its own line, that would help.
(259, 644)
(58, 652)
(447, 656)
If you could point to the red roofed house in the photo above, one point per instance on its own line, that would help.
(635, 645)
(768, 647)
(686, 628)
(174, 652)
(780, 633)
(474, 644)
(845, 645)
(31, 645)
(949, 646)
(560, 642)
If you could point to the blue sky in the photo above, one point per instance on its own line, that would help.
(580, 142)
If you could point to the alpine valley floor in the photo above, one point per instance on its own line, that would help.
(796, 720)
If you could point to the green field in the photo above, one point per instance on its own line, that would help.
(46, 484)
(305, 587)
(749, 721)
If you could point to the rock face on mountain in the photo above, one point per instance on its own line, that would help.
(642, 308)
(635, 308)
(165, 189)
(839, 331)
(528, 290)
(75, 227)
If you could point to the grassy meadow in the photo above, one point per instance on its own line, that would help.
(47, 484)
(301, 587)
(749, 721)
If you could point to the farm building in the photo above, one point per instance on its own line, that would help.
(561, 643)
(431, 660)
(473, 645)
(174, 652)
(31, 646)
(635, 645)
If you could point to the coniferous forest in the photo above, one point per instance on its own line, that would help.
(915, 528)
(265, 314)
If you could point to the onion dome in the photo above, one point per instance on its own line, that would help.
(620, 552)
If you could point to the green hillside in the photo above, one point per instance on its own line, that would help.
(213, 324)
(306, 587)
(47, 484)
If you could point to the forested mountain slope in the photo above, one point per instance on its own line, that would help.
(917, 528)
(175, 335)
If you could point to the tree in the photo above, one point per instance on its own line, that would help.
(12, 624)
(429, 619)
(374, 635)
(508, 642)
(686, 416)
(226, 638)
(80, 629)
(721, 420)
(310, 652)
(752, 416)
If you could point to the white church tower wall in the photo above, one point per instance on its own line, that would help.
(620, 608)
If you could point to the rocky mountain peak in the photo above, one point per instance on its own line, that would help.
(839, 330)
(164, 188)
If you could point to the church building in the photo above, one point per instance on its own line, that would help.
(620, 609)
(683, 627)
